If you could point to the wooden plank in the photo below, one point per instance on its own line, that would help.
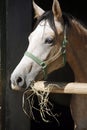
(70, 88)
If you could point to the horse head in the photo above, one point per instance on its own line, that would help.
(44, 53)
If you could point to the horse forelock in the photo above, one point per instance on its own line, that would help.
(47, 16)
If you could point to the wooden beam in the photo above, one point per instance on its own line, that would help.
(70, 88)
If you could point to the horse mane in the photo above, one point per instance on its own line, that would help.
(68, 20)
(74, 23)
(82, 30)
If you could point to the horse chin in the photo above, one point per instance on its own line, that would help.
(39, 77)
(18, 88)
(14, 87)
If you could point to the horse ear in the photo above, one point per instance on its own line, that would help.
(38, 10)
(56, 9)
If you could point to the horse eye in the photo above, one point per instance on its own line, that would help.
(49, 40)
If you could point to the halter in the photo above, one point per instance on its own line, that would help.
(39, 62)
(64, 43)
(44, 64)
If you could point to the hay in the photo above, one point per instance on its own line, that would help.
(45, 106)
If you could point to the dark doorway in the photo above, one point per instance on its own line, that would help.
(16, 26)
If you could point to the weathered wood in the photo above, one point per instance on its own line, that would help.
(70, 88)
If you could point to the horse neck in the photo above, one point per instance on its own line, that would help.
(77, 50)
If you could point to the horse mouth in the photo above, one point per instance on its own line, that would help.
(15, 87)
(24, 87)
(18, 88)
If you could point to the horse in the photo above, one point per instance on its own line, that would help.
(56, 38)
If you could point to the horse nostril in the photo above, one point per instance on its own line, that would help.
(20, 81)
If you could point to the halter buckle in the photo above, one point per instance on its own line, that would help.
(43, 64)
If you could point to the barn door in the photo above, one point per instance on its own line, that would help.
(17, 26)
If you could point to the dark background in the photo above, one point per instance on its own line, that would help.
(16, 18)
